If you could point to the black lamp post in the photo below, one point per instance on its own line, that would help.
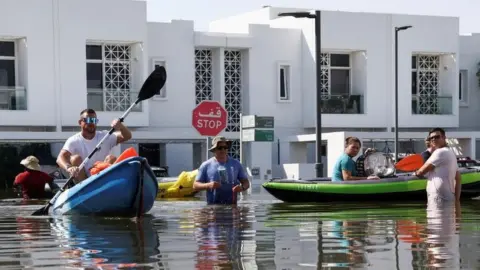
(318, 51)
(397, 29)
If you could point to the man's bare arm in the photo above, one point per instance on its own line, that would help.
(63, 159)
(123, 135)
(427, 167)
(347, 176)
(198, 186)
(458, 185)
(245, 183)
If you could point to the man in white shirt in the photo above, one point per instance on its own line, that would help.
(79, 146)
(441, 169)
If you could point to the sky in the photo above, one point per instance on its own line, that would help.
(204, 11)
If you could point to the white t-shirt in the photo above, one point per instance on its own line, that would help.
(78, 145)
(441, 180)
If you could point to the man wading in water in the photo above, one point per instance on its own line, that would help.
(441, 169)
(221, 175)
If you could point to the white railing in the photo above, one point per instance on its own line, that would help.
(13, 98)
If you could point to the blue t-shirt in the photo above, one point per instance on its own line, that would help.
(425, 155)
(228, 174)
(344, 162)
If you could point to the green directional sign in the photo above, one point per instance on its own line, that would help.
(258, 135)
(254, 121)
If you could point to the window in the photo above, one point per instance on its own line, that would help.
(463, 87)
(284, 82)
(8, 76)
(425, 84)
(162, 94)
(108, 71)
(335, 75)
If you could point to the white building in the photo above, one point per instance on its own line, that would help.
(59, 57)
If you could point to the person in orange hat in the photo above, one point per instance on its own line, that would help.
(32, 181)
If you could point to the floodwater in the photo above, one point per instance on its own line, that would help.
(260, 233)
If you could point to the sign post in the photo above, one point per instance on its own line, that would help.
(209, 118)
(255, 128)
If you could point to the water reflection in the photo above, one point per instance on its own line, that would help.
(88, 241)
(359, 237)
(107, 243)
(256, 234)
(442, 239)
(219, 233)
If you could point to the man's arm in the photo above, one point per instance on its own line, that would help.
(427, 167)
(458, 185)
(19, 179)
(435, 160)
(347, 168)
(123, 134)
(243, 177)
(63, 159)
(201, 179)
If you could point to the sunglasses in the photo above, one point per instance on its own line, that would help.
(90, 120)
(222, 148)
(436, 137)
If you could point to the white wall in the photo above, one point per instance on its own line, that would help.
(371, 37)
(90, 20)
(429, 35)
(173, 42)
(32, 24)
(469, 60)
(52, 66)
(52, 59)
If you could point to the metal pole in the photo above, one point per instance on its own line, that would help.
(241, 139)
(396, 95)
(207, 153)
(278, 151)
(318, 128)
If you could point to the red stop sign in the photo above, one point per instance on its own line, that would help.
(209, 118)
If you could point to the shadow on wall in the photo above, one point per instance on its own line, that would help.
(456, 146)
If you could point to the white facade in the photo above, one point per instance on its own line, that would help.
(70, 56)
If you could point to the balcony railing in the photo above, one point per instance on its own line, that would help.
(99, 100)
(432, 105)
(13, 98)
(342, 104)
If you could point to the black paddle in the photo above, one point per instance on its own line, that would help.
(150, 87)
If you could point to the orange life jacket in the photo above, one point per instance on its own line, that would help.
(101, 165)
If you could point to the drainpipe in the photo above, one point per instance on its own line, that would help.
(57, 88)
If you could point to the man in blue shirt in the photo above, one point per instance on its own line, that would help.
(345, 168)
(222, 176)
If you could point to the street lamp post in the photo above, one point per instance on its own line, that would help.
(397, 29)
(318, 52)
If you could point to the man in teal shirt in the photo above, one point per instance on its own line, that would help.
(345, 168)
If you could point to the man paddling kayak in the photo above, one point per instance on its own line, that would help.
(80, 145)
(222, 176)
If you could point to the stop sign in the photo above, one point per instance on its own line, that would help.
(209, 118)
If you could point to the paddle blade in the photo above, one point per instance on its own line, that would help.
(152, 85)
(410, 163)
(42, 211)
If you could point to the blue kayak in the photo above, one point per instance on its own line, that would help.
(113, 191)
